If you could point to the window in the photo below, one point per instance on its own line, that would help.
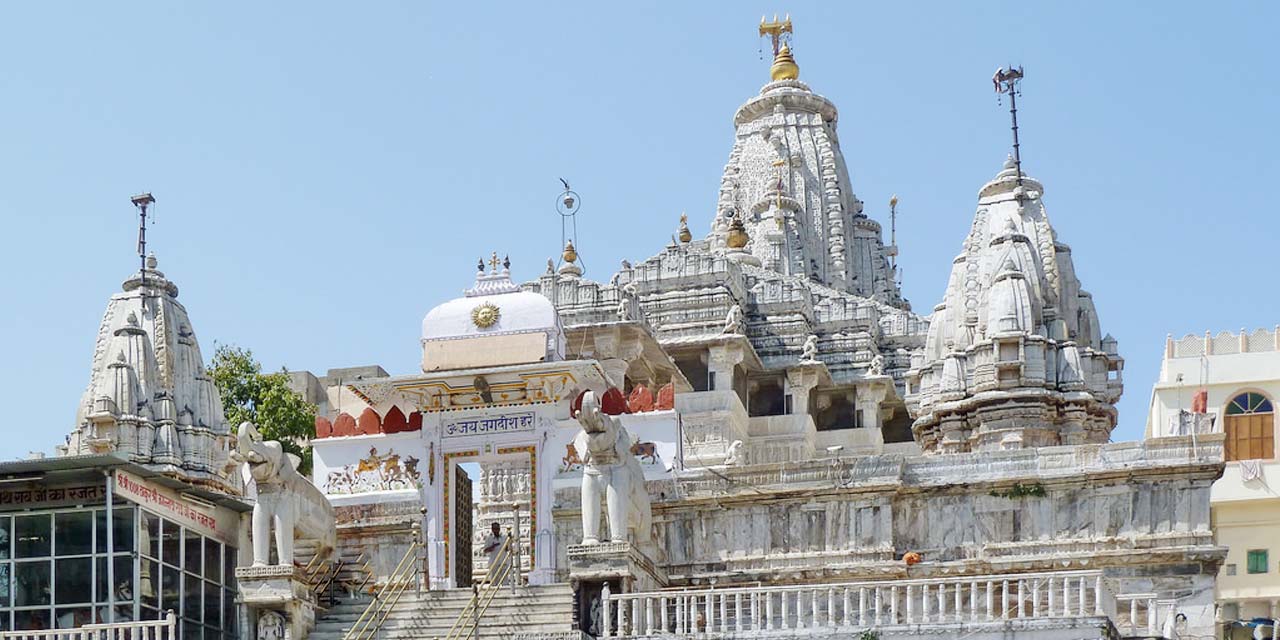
(1257, 561)
(1229, 569)
(1250, 427)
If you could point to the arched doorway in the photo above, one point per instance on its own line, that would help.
(1250, 427)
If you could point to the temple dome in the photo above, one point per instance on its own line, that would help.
(494, 323)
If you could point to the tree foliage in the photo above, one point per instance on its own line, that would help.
(265, 399)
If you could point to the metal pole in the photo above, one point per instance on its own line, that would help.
(1013, 111)
(475, 613)
(111, 565)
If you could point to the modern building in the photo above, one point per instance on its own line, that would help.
(1229, 383)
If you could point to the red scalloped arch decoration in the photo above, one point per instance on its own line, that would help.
(614, 403)
(344, 425)
(394, 422)
(666, 397)
(324, 428)
(415, 421)
(369, 423)
(641, 399)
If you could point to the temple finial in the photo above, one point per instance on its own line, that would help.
(1006, 80)
(141, 202)
(784, 64)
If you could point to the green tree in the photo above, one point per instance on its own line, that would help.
(264, 399)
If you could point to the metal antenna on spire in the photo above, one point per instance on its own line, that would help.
(567, 205)
(141, 202)
(1006, 80)
(892, 251)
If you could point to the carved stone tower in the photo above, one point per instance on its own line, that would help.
(787, 187)
(1014, 356)
(149, 397)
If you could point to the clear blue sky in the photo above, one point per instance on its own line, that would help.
(327, 172)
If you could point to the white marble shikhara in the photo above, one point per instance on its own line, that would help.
(1015, 356)
(149, 397)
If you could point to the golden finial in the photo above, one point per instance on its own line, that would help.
(570, 254)
(893, 201)
(784, 64)
(686, 236)
(493, 262)
(737, 237)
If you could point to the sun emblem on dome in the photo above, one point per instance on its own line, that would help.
(485, 315)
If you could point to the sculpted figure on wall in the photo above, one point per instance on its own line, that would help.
(285, 500)
(609, 471)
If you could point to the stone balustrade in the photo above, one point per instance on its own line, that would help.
(1045, 462)
(817, 608)
(1225, 343)
(163, 629)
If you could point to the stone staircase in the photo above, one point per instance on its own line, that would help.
(528, 612)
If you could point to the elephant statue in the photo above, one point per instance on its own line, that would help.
(611, 471)
(285, 500)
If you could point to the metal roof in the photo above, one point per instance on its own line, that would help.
(88, 468)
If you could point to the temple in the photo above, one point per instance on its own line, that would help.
(746, 434)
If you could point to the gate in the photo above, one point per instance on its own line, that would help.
(462, 528)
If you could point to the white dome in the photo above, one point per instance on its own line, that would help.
(494, 307)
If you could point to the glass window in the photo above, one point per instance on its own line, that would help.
(74, 532)
(72, 618)
(1230, 569)
(229, 566)
(150, 534)
(148, 582)
(123, 576)
(122, 536)
(1257, 561)
(31, 619)
(170, 588)
(31, 535)
(4, 588)
(211, 633)
(190, 630)
(212, 604)
(1250, 428)
(229, 612)
(171, 544)
(191, 551)
(150, 614)
(74, 580)
(32, 583)
(191, 597)
(5, 523)
(212, 560)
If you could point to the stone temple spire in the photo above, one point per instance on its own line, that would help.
(787, 182)
(149, 397)
(1014, 356)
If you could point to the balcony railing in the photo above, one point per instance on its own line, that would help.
(785, 609)
(164, 629)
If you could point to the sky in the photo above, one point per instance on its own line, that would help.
(325, 173)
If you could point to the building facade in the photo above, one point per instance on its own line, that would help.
(1228, 384)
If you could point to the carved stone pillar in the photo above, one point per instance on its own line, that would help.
(868, 401)
(800, 383)
(723, 359)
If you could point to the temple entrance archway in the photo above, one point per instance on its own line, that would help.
(483, 488)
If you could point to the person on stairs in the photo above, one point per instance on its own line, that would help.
(492, 545)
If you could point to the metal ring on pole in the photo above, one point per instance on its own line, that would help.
(568, 203)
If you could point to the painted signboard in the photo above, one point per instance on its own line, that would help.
(509, 423)
(213, 522)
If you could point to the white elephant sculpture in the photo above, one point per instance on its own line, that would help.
(285, 500)
(610, 470)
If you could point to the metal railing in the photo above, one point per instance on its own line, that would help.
(384, 600)
(505, 561)
(163, 629)
(976, 600)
